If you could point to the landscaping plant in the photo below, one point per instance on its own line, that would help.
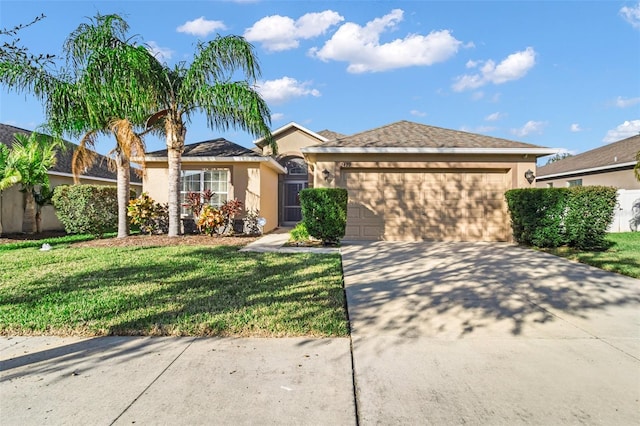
(552, 217)
(324, 213)
(151, 217)
(90, 209)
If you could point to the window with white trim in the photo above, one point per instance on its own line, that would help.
(575, 182)
(216, 180)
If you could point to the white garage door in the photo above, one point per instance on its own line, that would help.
(411, 205)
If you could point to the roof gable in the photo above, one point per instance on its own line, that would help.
(287, 127)
(64, 158)
(616, 154)
(407, 134)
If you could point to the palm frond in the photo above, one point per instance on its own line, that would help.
(84, 156)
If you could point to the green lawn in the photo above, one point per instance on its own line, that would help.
(178, 290)
(622, 257)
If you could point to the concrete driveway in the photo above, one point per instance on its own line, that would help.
(474, 333)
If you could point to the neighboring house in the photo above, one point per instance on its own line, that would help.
(609, 165)
(406, 181)
(12, 200)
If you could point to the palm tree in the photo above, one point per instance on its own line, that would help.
(206, 86)
(29, 161)
(8, 177)
(107, 90)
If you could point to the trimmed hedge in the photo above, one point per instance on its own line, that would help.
(87, 209)
(324, 213)
(551, 217)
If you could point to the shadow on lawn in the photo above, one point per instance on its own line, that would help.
(187, 291)
(454, 290)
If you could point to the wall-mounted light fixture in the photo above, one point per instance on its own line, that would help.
(327, 175)
(529, 176)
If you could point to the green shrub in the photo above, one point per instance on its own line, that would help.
(87, 209)
(324, 213)
(151, 217)
(537, 215)
(300, 233)
(551, 217)
(589, 214)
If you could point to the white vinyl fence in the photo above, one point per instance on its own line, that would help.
(627, 212)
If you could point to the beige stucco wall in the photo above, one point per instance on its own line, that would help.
(291, 141)
(621, 179)
(269, 197)
(253, 183)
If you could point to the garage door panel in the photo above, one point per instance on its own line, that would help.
(426, 205)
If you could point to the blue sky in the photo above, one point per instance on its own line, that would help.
(562, 74)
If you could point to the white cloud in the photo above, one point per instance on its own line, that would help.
(418, 113)
(575, 127)
(201, 27)
(495, 116)
(476, 96)
(631, 15)
(277, 116)
(277, 33)
(361, 47)
(623, 131)
(625, 103)
(529, 127)
(513, 67)
(161, 53)
(284, 89)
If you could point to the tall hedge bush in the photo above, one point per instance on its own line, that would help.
(551, 217)
(87, 209)
(537, 215)
(590, 212)
(324, 213)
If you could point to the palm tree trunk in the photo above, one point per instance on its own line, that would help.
(176, 133)
(123, 170)
(29, 216)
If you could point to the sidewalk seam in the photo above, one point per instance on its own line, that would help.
(152, 382)
(353, 365)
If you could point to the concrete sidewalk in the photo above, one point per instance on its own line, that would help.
(275, 241)
(195, 381)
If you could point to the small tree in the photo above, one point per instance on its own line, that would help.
(8, 177)
(28, 162)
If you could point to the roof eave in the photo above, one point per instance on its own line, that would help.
(589, 170)
(538, 152)
(221, 159)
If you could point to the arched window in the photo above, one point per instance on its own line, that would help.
(296, 167)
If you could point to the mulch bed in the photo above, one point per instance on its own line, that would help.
(139, 240)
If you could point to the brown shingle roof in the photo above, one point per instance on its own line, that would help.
(407, 134)
(330, 134)
(609, 155)
(63, 164)
(212, 148)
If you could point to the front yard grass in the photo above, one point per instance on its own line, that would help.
(622, 257)
(174, 290)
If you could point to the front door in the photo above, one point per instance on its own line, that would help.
(292, 212)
